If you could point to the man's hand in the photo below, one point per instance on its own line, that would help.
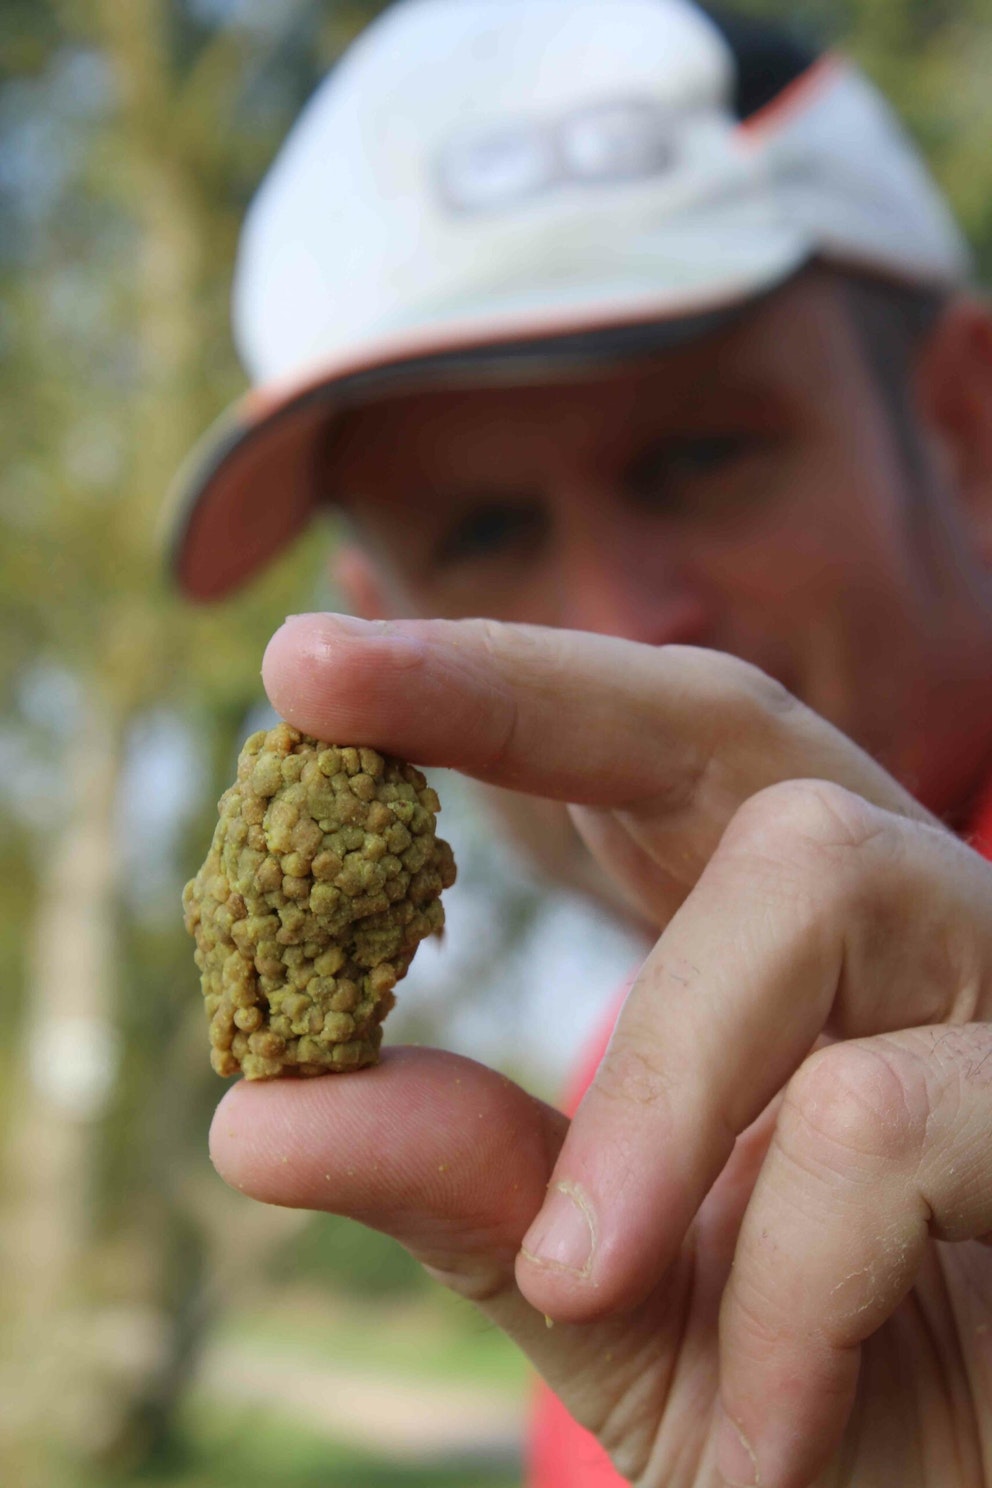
(793, 1114)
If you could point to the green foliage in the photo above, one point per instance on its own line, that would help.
(359, 1262)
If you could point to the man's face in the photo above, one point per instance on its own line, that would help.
(743, 493)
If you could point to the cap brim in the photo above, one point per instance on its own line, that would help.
(250, 486)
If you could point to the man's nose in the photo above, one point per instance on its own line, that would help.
(632, 590)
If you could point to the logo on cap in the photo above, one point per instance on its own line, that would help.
(612, 142)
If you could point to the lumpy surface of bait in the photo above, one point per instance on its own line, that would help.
(324, 875)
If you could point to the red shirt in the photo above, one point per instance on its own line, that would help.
(562, 1454)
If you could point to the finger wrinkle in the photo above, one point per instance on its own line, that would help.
(637, 1423)
(687, 785)
(489, 702)
(499, 761)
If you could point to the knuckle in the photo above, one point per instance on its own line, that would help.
(741, 686)
(802, 822)
(768, 695)
(854, 1105)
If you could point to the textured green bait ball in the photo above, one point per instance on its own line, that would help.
(323, 877)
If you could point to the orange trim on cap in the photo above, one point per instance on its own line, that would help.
(259, 402)
(794, 97)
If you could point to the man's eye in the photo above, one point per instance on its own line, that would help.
(659, 476)
(697, 456)
(491, 530)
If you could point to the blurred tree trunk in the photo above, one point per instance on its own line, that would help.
(161, 197)
(69, 1038)
(65, 1075)
(55, 1135)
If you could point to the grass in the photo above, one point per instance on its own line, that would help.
(436, 1337)
(423, 1342)
(225, 1448)
(229, 1447)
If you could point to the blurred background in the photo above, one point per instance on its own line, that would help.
(156, 1327)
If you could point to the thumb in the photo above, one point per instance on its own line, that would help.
(453, 1160)
(442, 1153)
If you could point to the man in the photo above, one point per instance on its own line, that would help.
(643, 335)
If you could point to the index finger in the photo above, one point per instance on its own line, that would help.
(588, 719)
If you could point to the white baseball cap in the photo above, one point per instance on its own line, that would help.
(514, 188)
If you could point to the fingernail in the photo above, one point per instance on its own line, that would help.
(735, 1457)
(332, 620)
(564, 1233)
(323, 627)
